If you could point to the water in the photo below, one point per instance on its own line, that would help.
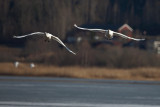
(66, 92)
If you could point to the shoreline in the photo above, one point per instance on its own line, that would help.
(146, 74)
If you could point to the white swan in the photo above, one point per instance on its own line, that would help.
(108, 33)
(49, 36)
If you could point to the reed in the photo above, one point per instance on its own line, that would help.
(80, 72)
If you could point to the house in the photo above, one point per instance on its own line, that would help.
(126, 29)
(157, 46)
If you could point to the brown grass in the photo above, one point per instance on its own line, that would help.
(80, 72)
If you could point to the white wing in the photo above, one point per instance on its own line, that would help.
(58, 40)
(127, 37)
(95, 30)
(35, 33)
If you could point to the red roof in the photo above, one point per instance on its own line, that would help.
(125, 26)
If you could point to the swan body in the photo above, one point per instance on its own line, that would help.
(109, 34)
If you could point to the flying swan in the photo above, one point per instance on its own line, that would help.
(49, 36)
(108, 33)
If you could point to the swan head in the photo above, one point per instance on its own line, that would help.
(109, 34)
(48, 35)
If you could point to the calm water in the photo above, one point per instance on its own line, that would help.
(66, 92)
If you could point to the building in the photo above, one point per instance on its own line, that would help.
(126, 29)
(157, 46)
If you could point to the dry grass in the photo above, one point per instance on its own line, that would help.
(80, 72)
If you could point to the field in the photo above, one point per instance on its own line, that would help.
(24, 69)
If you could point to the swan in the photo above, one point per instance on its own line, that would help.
(49, 36)
(109, 33)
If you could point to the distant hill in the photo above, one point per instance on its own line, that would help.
(58, 16)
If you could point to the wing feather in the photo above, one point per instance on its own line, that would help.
(59, 41)
(127, 37)
(35, 33)
(95, 30)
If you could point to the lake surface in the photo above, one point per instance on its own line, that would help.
(66, 92)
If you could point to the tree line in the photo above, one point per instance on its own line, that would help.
(19, 17)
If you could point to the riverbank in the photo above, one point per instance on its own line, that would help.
(24, 69)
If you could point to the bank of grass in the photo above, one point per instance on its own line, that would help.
(80, 72)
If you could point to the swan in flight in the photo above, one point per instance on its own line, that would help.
(108, 33)
(49, 36)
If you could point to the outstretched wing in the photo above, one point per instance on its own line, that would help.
(127, 37)
(35, 33)
(58, 40)
(95, 30)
